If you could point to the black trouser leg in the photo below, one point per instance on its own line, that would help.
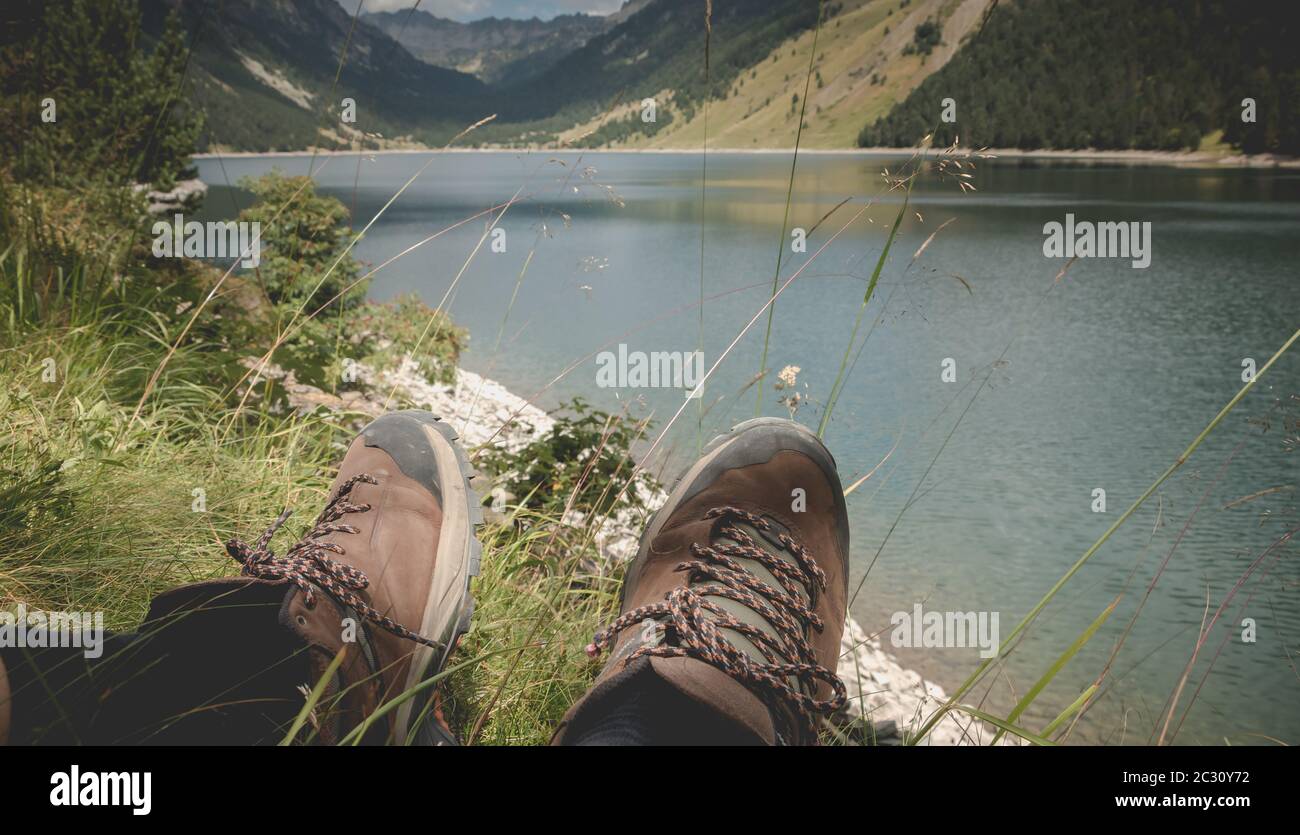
(225, 673)
(644, 710)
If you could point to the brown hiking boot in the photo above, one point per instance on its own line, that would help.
(383, 572)
(393, 552)
(380, 581)
(737, 597)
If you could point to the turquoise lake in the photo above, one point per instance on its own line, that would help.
(1097, 380)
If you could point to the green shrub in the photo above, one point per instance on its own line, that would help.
(925, 38)
(406, 326)
(304, 241)
(545, 473)
(33, 494)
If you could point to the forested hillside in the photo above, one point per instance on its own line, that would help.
(866, 62)
(1110, 74)
(662, 47)
(263, 73)
(496, 50)
(1114, 74)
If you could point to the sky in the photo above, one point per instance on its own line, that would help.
(464, 10)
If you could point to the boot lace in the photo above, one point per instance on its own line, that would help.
(694, 623)
(307, 566)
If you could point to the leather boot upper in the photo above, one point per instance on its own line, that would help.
(788, 615)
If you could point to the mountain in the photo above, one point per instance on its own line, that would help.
(660, 47)
(496, 50)
(1163, 74)
(1112, 74)
(263, 72)
(866, 63)
(629, 8)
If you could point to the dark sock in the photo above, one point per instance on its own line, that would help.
(644, 710)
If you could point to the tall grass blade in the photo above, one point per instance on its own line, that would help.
(1064, 659)
(314, 697)
(1002, 725)
(866, 300)
(1071, 710)
(1087, 555)
(358, 733)
(785, 220)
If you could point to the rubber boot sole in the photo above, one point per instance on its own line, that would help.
(449, 611)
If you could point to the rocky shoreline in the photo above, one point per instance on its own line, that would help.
(1190, 159)
(895, 699)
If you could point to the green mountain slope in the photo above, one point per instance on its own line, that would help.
(864, 66)
(1164, 74)
(263, 72)
(496, 50)
(1113, 74)
(662, 47)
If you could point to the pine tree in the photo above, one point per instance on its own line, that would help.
(119, 107)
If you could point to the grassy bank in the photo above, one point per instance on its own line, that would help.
(134, 442)
(149, 415)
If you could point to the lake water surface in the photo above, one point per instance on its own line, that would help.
(1099, 380)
